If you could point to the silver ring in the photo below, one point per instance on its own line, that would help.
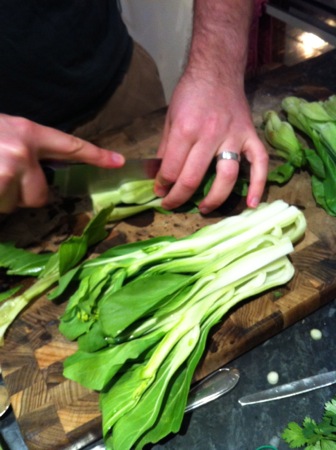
(228, 155)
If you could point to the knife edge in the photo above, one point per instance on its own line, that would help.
(290, 389)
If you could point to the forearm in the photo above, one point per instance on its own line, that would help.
(220, 40)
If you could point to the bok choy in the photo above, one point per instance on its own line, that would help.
(307, 141)
(143, 311)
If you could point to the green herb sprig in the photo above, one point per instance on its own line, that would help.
(314, 435)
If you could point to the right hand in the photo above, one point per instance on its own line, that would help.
(23, 143)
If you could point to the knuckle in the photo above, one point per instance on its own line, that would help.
(190, 126)
(167, 177)
(190, 183)
(22, 125)
(75, 144)
(227, 172)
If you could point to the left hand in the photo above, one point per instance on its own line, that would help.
(203, 120)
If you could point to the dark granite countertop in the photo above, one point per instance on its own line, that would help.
(224, 424)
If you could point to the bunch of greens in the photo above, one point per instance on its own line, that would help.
(313, 435)
(142, 313)
(307, 140)
(47, 267)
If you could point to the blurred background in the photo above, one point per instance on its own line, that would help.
(284, 32)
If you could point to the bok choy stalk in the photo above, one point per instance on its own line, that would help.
(129, 199)
(143, 311)
(48, 268)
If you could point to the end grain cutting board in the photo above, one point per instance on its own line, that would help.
(55, 413)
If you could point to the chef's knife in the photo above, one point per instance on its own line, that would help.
(79, 179)
(290, 389)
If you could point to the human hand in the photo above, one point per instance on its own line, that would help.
(23, 143)
(203, 120)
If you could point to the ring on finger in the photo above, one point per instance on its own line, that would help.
(228, 155)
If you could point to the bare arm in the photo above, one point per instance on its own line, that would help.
(209, 112)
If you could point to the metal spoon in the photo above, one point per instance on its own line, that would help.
(212, 387)
(4, 400)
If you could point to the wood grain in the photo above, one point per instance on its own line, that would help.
(55, 413)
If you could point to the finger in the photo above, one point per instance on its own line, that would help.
(54, 144)
(9, 193)
(258, 174)
(172, 162)
(226, 176)
(190, 178)
(34, 189)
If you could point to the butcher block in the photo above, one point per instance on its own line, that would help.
(55, 413)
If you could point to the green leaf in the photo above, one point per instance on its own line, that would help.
(22, 262)
(80, 312)
(129, 428)
(281, 174)
(93, 340)
(330, 409)
(327, 444)
(311, 430)
(96, 370)
(294, 436)
(7, 294)
(95, 230)
(138, 298)
(315, 163)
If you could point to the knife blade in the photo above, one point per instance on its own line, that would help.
(290, 389)
(79, 179)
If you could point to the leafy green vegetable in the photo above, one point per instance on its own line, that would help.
(313, 435)
(142, 313)
(316, 122)
(47, 267)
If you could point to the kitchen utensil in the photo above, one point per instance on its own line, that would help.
(290, 389)
(212, 387)
(78, 179)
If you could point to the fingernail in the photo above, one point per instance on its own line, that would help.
(203, 210)
(160, 191)
(117, 158)
(253, 202)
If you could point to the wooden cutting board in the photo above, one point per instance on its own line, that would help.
(55, 413)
